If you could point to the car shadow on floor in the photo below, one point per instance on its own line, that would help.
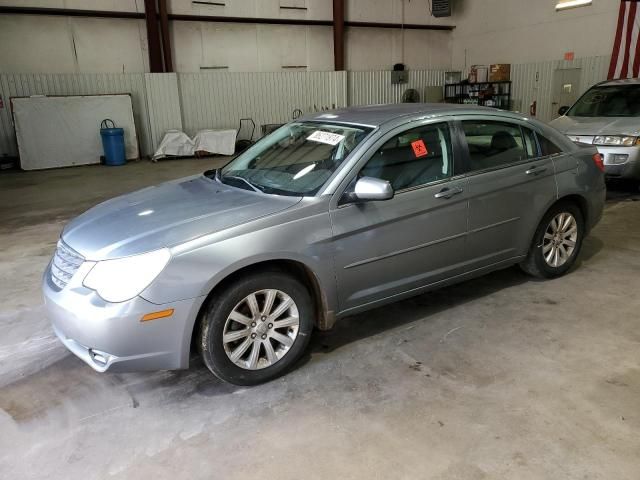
(416, 309)
(620, 190)
(421, 308)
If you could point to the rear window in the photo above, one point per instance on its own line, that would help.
(493, 144)
(547, 146)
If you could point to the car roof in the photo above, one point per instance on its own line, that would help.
(376, 115)
(623, 81)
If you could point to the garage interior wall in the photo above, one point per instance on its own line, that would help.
(47, 44)
(530, 31)
(222, 67)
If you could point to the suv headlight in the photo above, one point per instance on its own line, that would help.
(615, 141)
(122, 279)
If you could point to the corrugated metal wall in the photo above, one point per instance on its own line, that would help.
(534, 81)
(195, 101)
(221, 99)
(163, 106)
(17, 85)
(368, 88)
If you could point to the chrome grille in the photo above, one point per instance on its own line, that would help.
(64, 265)
(588, 139)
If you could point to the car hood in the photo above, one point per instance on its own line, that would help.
(166, 215)
(597, 125)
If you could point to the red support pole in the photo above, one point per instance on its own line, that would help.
(166, 36)
(338, 34)
(153, 36)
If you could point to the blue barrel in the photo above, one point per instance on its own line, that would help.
(112, 143)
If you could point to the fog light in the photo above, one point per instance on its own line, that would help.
(98, 357)
(618, 158)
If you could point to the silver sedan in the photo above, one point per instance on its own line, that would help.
(330, 215)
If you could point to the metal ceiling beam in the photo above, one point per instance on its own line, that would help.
(261, 21)
(68, 12)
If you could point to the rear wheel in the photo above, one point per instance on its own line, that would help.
(256, 328)
(556, 243)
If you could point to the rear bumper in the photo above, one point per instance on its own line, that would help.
(110, 336)
(596, 207)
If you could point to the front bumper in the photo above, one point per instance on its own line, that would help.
(629, 169)
(110, 336)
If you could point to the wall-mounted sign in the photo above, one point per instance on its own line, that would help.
(569, 56)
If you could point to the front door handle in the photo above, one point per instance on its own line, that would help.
(536, 170)
(448, 192)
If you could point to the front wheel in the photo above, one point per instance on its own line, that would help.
(254, 330)
(556, 243)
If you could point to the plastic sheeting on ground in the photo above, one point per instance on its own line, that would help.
(178, 144)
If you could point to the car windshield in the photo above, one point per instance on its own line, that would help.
(613, 101)
(296, 160)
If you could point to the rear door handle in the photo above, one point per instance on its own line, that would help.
(448, 192)
(536, 170)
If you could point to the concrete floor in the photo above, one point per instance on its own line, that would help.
(500, 377)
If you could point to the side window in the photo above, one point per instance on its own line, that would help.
(414, 157)
(530, 143)
(493, 144)
(547, 146)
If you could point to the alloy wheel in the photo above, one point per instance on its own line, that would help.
(261, 329)
(560, 239)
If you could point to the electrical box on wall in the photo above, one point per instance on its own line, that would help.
(441, 8)
(399, 76)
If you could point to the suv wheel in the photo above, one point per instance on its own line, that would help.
(256, 328)
(556, 243)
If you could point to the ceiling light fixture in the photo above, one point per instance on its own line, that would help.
(564, 4)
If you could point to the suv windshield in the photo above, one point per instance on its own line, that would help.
(613, 101)
(296, 160)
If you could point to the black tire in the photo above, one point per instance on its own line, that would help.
(535, 263)
(223, 303)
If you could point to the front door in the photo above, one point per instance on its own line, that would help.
(388, 249)
(509, 184)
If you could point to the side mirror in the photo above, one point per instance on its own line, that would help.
(563, 110)
(369, 189)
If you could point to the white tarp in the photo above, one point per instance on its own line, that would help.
(220, 142)
(177, 143)
(65, 131)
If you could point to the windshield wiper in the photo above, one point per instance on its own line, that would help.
(255, 188)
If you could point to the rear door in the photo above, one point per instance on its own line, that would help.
(509, 183)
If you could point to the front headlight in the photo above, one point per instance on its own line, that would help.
(124, 278)
(615, 141)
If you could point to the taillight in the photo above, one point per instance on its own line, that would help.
(598, 159)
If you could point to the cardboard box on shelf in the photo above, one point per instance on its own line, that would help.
(500, 72)
(478, 73)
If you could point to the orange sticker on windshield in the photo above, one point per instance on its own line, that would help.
(419, 148)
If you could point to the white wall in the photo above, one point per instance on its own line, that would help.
(39, 44)
(36, 44)
(528, 31)
(249, 47)
(380, 49)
